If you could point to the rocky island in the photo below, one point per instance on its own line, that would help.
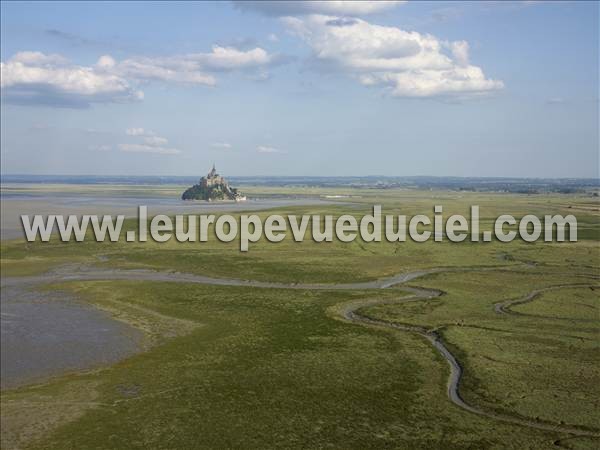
(212, 187)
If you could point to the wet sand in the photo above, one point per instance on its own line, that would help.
(49, 333)
(19, 199)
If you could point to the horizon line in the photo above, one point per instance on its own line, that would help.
(503, 177)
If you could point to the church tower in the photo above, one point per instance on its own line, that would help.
(213, 172)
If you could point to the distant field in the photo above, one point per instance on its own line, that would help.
(248, 367)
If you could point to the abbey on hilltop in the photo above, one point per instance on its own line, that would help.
(212, 187)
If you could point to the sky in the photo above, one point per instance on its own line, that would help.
(479, 89)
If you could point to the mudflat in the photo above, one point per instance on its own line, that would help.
(48, 333)
(31, 199)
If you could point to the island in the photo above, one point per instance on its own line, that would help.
(213, 187)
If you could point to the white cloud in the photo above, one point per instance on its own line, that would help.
(460, 52)
(221, 145)
(33, 77)
(147, 142)
(156, 141)
(168, 69)
(139, 132)
(38, 78)
(230, 58)
(192, 68)
(407, 64)
(267, 149)
(37, 59)
(331, 7)
(273, 37)
(106, 62)
(143, 148)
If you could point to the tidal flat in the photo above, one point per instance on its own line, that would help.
(65, 199)
(48, 333)
(272, 361)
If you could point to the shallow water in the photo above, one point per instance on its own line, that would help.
(46, 334)
(70, 200)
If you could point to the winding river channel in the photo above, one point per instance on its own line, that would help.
(350, 312)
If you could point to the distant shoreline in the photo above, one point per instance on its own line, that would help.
(78, 179)
(473, 184)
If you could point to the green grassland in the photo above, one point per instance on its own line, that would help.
(535, 366)
(242, 367)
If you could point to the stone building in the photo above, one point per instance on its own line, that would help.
(212, 187)
(213, 179)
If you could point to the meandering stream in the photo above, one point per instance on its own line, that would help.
(349, 311)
